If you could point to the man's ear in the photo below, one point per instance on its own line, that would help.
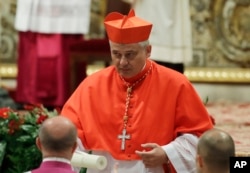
(38, 143)
(74, 147)
(199, 161)
(148, 50)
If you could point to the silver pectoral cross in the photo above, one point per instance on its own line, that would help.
(123, 137)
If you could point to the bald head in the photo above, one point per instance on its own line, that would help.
(57, 134)
(216, 147)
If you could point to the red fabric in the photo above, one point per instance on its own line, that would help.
(43, 68)
(163, 106)
(121, 28)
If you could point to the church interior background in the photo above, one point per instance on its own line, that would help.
(220, 69)
(220, 37)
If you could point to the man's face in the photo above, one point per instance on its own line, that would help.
(129, 59)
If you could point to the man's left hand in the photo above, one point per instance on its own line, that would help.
(154, 157)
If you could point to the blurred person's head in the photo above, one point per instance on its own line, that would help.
(214, 149)
(57, 138)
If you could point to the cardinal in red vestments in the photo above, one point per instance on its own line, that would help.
(143, 117)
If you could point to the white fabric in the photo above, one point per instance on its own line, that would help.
(171, 36)
(58, 159)
(180, 152)
(53, 16)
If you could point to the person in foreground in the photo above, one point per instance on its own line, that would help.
(57, 142)
(141, 116)
(215, 147)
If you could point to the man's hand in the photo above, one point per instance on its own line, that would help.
(153, 158)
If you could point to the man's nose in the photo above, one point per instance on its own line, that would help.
(123, 60)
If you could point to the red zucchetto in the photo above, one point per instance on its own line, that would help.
(126, 29)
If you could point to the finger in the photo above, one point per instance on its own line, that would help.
(138, 152)
(150, 145)
(143, 154)
(148, 163)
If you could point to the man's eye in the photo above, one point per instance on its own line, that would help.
(128, 54)
(116, 54)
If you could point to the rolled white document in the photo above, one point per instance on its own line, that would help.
(85, 160)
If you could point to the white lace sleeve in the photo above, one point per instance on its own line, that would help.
(181, 153)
